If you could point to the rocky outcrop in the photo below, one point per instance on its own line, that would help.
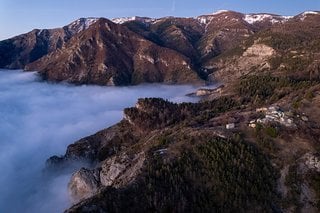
(117, 171)
(121, 170)
(83, 184)
(104, 154)
(259, 51)
(254, 59)
(97, 147)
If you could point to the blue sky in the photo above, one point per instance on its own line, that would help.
(20, 16)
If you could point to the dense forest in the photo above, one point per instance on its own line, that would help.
(154, 113)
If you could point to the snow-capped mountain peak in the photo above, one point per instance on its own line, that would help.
(81, 24)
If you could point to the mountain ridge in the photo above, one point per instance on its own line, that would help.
(200, 39)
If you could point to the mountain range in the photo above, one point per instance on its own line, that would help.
(135, 50)
(250, 145)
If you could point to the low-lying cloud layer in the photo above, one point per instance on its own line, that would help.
(38, 120)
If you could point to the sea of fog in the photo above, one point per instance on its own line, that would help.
(39, 119)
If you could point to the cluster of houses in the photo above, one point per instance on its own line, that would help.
(274, 114)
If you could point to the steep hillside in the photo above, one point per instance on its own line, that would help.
(110, 54)
(288, 49)
(18, 51)
(176, 174)
(166, 164)
(174, 157)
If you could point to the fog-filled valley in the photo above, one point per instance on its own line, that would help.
(39, 119)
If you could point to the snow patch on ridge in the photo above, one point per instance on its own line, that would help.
(206, 19)
(253, 18)
(133, 18)
(310, 12)
(305, 14)
(220, 11)
(249, 18)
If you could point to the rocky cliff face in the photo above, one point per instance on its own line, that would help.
(84, 184)
(254, 59)
(117, 171)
